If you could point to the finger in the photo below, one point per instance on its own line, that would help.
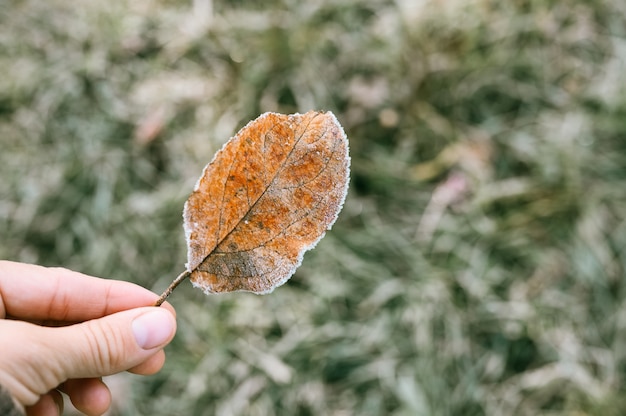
(88, 395)
(50, 404)
(33, 292)
(39, 358)
(114, 343)
(55, 323)
(151, 366)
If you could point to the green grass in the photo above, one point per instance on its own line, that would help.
(478, 266)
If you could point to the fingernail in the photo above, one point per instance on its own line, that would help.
(153, 328)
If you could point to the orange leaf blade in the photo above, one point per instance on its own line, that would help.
(268, 196)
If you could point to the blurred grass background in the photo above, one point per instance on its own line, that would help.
(478, 266)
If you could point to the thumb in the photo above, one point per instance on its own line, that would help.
(38, 359)
(113, 343)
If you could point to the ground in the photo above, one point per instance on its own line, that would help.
(478, 265)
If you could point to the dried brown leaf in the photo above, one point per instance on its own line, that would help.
(267, 196)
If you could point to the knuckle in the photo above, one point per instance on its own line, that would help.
(106, 352)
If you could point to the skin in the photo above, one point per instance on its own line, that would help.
(61, 331)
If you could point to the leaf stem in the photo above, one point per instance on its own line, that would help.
(172, 286)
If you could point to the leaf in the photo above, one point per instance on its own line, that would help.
(267, 196)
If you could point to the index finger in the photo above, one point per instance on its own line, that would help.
(33, 292)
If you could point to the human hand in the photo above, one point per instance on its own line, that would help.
(64, 330)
